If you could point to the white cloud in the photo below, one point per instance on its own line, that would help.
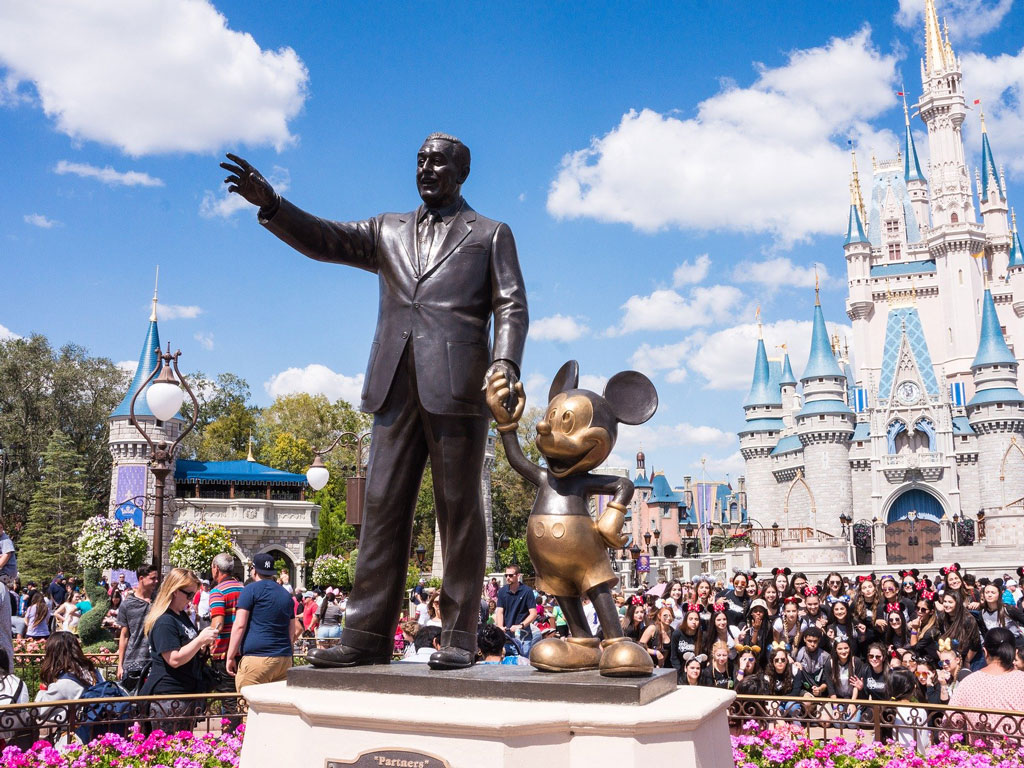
(999, 82)
(653, 359)
(205, 340)
(6, 334)
(557, 328)
(178, 311)
(725, 359)
(593, 383)
(316, 379)
(779, 272)
(667, 436)
(38, 220)
(691, 271)
(665, 309)
(151, 76)
(226, 204)
(128, 366)
(536, 387)
(767, 158)
(732, 465)
(967, 18)
(108, 175)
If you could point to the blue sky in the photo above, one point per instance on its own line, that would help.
(665, 167)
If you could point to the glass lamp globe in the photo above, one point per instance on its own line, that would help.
(317, 475)
(164, 399)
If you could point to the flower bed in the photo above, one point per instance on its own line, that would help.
(788, 746)
(157, 750)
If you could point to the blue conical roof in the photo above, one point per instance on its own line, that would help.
(147, 364)
(992, 349)
(911, 165)
(821, 362)
(787, 373)
(1016, 252)
(855, 229)
(989, 175)
(760, 388)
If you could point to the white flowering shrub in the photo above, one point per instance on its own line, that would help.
(195, 544)
(108, 543)
(331, 571)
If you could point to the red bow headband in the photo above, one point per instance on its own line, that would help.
(636, 600)
(894, 608)
(792, 599)
(808, 591)
(693, 608)
(950, 568)
(927, 594)
(869, 577)
(718, 608)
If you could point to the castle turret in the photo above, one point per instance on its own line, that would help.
(857, 249)
(1015, 268)
(996, 414)
(787, 388)
(764, 424)
(825, 425)
(992, 204)
(131, 484)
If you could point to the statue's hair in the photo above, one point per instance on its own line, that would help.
(461, 150)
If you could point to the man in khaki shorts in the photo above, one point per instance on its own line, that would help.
(264, 630)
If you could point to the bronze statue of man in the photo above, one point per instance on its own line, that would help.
(445, 271)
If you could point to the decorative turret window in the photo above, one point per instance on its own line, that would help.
(894, 251)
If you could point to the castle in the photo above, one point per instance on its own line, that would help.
(918, 436)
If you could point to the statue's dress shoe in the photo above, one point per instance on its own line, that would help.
(621, 657)
(451, 657)
(572, 654)
(344, 656)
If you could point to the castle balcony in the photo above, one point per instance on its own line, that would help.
(245, 514)
(901, 467)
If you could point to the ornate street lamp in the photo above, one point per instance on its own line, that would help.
(647, 540)
(657, 538)
(634, 551)
(164, 397)
(355, 484)
(421, 555)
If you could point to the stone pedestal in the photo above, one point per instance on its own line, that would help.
(484, 716)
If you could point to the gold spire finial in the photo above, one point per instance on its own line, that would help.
(906, 112)
(855, 196)
(156, 284)
(981, 112)
(935, 56)
(757, 319)
(817, 288)
(250, 457)
(1013, 218)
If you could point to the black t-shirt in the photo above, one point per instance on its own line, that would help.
(874, 684)
(170, 632)
(516, 605)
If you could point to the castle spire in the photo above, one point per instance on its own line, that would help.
(935, 47)
(821, 361)
(787, 379)
(760, 386)
(148, 361)
(156, 285)
(990, 181)
(911, 164)
(1016, 252)
(992, 348)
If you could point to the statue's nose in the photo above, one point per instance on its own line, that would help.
(543, 428)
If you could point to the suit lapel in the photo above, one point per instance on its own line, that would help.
(457, 232)
(407, 237)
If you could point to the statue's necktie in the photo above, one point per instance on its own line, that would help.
(428, 231)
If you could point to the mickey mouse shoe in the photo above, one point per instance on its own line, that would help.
(571, 654)
(621, 657)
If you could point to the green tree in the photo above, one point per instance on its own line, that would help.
(59, 506)
(227, 438)
(220, 400)
(512, 495)
(42, 389)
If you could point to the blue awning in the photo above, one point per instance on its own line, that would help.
(238, 472)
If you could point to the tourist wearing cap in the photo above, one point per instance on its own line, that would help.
(201, 604)
(265, 629)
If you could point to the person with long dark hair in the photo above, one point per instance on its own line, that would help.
(897, 634)
(995, 613)
(959, 627)
(770, 596)
(722, 630)
(787, 626)
(759, 631)
(686, 638)
(845, 667)
(842, 627)
(735, 599)
(633, 624)
(867, 605)
(657, 637)
(693, 667)
(780, 671)
(782, 585)
(924, 629)
(65, 672)
(834, 588)
(874, 684)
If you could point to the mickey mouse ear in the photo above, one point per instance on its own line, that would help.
(632, 397)
(568, 377)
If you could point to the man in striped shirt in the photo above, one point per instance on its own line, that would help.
(223, 599)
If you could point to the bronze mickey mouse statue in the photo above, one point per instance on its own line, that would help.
(569, 550)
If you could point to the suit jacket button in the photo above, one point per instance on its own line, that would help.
(405, 334)
(416, 305)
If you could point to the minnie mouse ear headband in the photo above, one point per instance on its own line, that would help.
(868, 577)
(926, 594)
(784, 571)
(691, 656)
(692, 608)
(910, 572)
(791, 599)
(894, 608)
(808, 591)
(701, 577)
(946, 570)
(749, 575)
(845, 599)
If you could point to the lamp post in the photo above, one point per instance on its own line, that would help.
(164, 397)
(421, 555)
(956, 529)
(657, 538)
(775, 533)
(355, 484)
(647, 540)
(912, 517)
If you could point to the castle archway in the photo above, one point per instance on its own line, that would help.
(912, 530)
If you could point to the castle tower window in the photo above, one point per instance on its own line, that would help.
(960, 276)
(954, 218)
(894, 251)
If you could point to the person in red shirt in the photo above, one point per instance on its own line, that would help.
(223, 599)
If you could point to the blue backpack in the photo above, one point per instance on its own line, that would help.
(97, 719)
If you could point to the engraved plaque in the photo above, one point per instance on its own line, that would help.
(391, 758)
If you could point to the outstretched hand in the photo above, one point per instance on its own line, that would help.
(248, 182)
(499, 392)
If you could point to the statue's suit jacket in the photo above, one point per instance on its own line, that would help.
(446, 310)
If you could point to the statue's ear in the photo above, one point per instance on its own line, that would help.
(568, 377)
(632, 397)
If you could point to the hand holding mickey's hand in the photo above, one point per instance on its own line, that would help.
(497, 397)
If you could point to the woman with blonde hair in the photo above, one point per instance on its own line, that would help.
(174, 641)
